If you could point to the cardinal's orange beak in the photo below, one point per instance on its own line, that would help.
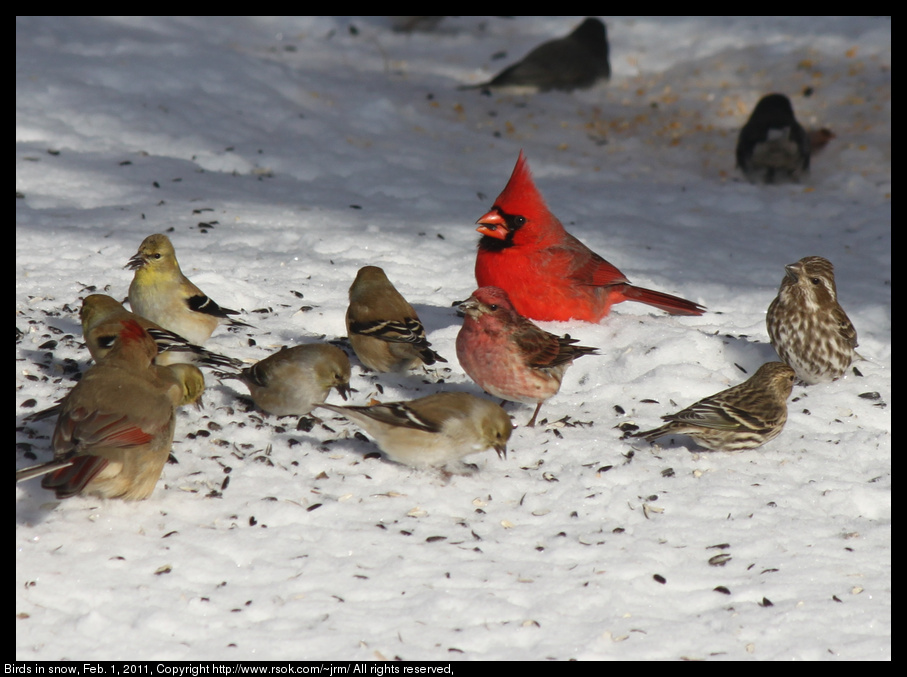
(493, 225)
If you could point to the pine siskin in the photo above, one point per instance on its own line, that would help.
(808, 328)
(743, 417)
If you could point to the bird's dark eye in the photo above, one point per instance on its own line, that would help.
(493, 307)
(815, 280)
(519, 220)
(157, 256)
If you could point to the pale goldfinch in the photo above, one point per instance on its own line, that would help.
(433, 431)
(384, 329)
(509, 356)
(161, 293)
(101, 316)
(115, 428)
(292, 381)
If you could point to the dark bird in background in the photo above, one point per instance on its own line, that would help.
(772, 146)
(573, 62)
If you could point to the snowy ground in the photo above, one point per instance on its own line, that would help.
(312, 147)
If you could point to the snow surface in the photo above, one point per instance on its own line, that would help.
(314, 146)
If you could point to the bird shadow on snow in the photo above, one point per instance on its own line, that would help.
(743, 351)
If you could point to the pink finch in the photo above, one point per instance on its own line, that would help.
(507, 355)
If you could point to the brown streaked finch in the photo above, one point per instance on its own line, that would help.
(807, 326)
(743, 417)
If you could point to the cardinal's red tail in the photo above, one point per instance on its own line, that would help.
(670, 304)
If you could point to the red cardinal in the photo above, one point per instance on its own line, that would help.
(548, 273)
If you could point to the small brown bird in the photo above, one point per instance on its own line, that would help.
(743, 417)
(576, 61)
(292, 381)
(510, 357)
(433, 431)
(772, 145)
(808, 327)
(384, 330)
(115, 428)
(161, 293)
(101, 318)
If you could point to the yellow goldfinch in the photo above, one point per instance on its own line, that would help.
(161, 293)
(433, 431)
(384, 329)
(115, 428)
(192, 383)
(292, 381)
(101, 318)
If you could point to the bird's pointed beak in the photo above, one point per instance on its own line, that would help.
(501, 450)
(135, 262)
(343, 389)
(793, 271)
(467, 305)
(493, 225)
